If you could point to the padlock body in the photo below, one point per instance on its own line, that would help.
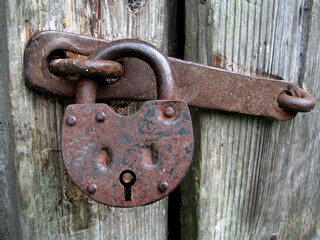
(155, 146)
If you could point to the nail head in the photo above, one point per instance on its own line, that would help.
(169, 112)
(92, 188)
(71, 121)
(101, 116)
(163, 186)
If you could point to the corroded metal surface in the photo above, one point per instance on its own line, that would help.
(44, 44)
(302, 103)
(149, 150)
(96, 68)
(127, 161)
(86, 89)
(150, 55)
(199, 85)
(231, 91)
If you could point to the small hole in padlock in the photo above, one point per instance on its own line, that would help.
(150, 154)
(127, 179)
(106, 155)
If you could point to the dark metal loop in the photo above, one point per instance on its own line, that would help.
(96, 68)
(304, 103)
(144, 51)
(41, 46)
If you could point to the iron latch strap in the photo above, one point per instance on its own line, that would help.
(200, 86)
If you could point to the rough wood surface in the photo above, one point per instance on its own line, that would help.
(253, 178)
(50, 206)
(9, 213)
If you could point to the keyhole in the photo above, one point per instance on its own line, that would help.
(127, 179)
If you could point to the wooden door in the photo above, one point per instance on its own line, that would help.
(254, 178)
(251, 178)
(46, 204)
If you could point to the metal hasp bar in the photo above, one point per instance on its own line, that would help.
(198, 85)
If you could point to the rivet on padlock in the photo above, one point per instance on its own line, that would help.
(131, 160)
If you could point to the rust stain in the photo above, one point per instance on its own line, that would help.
(27, 29)
(220, 61)
(72, 55)
(95, 20)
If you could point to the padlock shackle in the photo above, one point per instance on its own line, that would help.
(137, 49)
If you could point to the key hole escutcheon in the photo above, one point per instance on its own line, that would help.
(127, 179)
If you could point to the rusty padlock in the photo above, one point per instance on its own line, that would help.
(128, 161)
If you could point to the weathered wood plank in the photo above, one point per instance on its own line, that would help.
(9, 213)
(51, 207)
(253, 178)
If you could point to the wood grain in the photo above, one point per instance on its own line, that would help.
(253, 178)
(9, 211)
(50, 206)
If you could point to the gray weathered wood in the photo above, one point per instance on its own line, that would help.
(253, 178)
(9, 213)
(50, 206)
